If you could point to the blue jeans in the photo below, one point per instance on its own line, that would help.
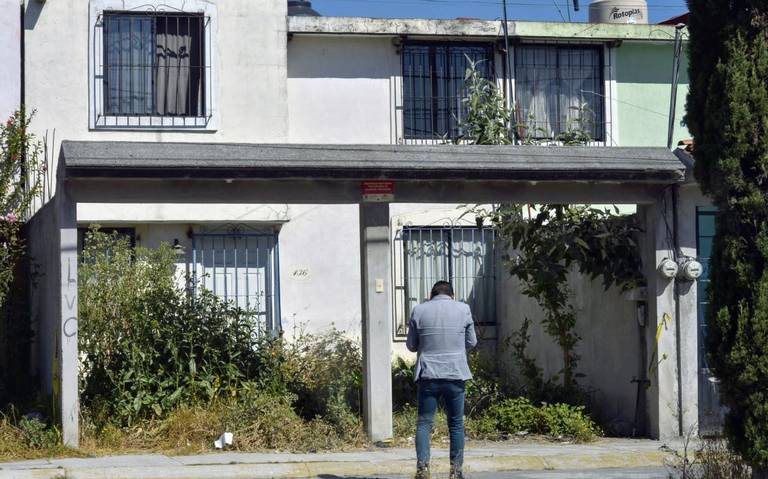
(429, 393)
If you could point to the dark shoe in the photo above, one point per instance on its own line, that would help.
(456, 473)
(422, 473)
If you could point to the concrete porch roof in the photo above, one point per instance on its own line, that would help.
(112, 159)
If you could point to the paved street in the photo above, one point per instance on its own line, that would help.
(613, 473)
(606, 458)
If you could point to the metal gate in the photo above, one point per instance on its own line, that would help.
(242, 268)
(711, 412)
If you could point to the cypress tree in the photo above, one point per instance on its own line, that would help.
(727, 113)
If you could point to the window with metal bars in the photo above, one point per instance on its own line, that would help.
(463, 255)
(154, 65)
(560, 88)
(433, 86)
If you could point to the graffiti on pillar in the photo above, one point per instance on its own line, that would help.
(69, 327)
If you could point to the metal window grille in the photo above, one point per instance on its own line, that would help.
(153, 69)
(463, 255)
(242, 268)
(711, 411)
(434, 87)
(560, 88)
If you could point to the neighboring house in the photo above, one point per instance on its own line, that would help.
(248, 137)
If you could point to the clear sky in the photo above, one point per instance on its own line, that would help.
(542, 10)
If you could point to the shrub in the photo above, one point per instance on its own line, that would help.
(513, 416)
(569, 421)
(38, 434)
(325, 373)
(28, 438)
(147, 347)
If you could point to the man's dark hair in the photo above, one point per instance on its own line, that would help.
(441, 287)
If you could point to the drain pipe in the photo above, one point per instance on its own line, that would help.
(678, 329)
(508, 82)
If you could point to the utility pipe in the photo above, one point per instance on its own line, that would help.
(510, 97)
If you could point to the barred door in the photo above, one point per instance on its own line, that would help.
(243, 269)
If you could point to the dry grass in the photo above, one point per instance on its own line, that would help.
(270, 426)
(16, 444)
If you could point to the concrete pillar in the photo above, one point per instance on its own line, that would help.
(376, 278)
(66, 340)
(689, 198)
(663, 398)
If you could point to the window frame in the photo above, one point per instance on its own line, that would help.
(154, 16)
(605, 94)
(490, 48)
(98, 117)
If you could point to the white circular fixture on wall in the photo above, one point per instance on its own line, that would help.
(668, 268)
(690, 269)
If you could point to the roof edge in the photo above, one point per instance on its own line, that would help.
(477, 28)
(147, 160)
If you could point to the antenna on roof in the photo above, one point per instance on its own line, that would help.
(575, 5)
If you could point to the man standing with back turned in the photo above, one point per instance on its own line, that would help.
(441, 331)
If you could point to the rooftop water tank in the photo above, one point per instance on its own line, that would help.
(618, 11)
(301, 8)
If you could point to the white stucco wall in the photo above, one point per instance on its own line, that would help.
(249, 40)
(609, 346)
(342, 89)
(10, 76)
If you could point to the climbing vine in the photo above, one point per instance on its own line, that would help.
(544, 248)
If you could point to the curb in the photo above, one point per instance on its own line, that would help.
(369, 468)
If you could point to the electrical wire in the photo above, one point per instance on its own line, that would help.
(554, 2)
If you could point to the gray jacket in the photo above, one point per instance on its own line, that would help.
(441, 331)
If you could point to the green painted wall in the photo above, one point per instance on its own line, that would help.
(643, 87)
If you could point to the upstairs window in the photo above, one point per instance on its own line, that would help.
(433, 86)
(155, 70)
(560, 88)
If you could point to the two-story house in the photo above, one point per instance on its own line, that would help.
(296, 162)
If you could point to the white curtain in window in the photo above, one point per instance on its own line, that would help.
(558, 85)
(462, 256)
(129, 45)
(427, 255)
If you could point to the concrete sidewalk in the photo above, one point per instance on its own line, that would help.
(479, 457)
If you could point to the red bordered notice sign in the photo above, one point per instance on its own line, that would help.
(380, 191)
